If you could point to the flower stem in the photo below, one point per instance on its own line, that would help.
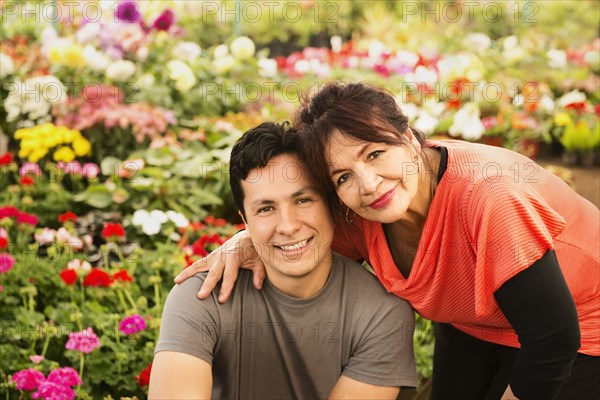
(81, 364)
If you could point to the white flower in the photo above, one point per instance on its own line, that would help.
(151, 227)
(477, 41)
(78, 264)
(267, 67)
(426, 123)
(408, 109)
(592, 58)
(434, 108)
(242, 48)
(95, 60)
(7, 66)
(302, 66)
(120, 70)
(139, 217)
(178, 219)
(34, 98)
(547, 104)
(187, 51)
(557, 59)
(87, 33)
(142, 53)
(146, 81)
(407, 58)
(574, 96)
(467, 123)
(460, 65)
(422, 75)
(49, 36)
(510, 42)
(220, 51)
(376, 48)
(159, 216)
(224, 64)
(63, 235)
(336, 43)
(45, 236)
(182, 74)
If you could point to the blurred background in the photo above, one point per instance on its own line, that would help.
(117, 118)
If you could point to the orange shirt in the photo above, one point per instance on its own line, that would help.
(494, 214)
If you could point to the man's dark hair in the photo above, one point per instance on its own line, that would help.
(255, 149)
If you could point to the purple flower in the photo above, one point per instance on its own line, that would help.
(85, 341)
(28, 379)
(132, 324)
(164, 21)
(127, 11)
(65, 376)
(53, 391)
(6, 262)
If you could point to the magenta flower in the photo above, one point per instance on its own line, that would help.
(30, 168)
(132, 324)
(127, 11)
(53, 391)
(85, 341)
(164, 21)
(6, 262)
(65, 376)
(28, 379)
(24, 218)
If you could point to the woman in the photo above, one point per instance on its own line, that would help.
(499, 252)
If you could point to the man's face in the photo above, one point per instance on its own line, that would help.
(289, 222)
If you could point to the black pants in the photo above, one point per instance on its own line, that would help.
(466, 368)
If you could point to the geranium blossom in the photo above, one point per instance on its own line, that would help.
(65, 376)
(53, 391)
(97, 278)
(6, 262)
(68, 216)
(77, 264)
(132, 324)
(112, 229)
(68, 276)
(45, 236)
(143, 379)
(122, 276)
(85, 341)
(28, 379)
(3, 243)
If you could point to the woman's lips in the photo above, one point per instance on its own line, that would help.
(383, 200)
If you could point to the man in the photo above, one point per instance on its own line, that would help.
(321, 326)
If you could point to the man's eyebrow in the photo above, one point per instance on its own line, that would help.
(303, 191)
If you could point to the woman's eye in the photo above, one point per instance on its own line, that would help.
(374, 154)
(304, 200)
(343, 178)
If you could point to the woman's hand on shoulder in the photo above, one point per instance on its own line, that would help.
(225, 262)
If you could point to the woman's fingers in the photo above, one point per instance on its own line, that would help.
(200, 265)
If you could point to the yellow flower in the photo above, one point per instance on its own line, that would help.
(562, 119)
(81, 146)
(64, 154)
(37, 154)
(70, 55)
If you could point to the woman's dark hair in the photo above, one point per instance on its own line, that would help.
(356, 110)
(255, 149)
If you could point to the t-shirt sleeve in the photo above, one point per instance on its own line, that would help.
(384, 354)
(510, 227)
(188, 324)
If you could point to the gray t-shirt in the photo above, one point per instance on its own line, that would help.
(263, 344)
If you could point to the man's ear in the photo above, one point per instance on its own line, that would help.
(243, 219)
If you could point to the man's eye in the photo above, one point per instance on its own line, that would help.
(264, 209)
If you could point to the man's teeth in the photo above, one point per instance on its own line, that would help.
(296, 246)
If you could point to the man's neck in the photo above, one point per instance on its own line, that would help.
(302, 287)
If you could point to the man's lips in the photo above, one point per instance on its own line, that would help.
(383, 200)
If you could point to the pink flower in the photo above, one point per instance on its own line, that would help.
(24, 218)
(76, 264)
(3, 233)
(30, 168)
(65, 376)
(164, 20)
(28, 379)
(9, 211)
(90, 170)
(72, 168)
(53, 391)
(85, 341)
(6, 262)
(45, 236)
(132, 324)
(37, 359)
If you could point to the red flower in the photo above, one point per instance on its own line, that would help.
(199, 246)
(69, 276)
(68, 216)
(24, 218)
(3, 243)
(210, 220)
(113, 229)
(26, 181)
(9, 211)
(143, 379)
(6, 159)
(97, 278)
(122, 276)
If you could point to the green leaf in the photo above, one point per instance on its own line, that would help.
(110, 165)
(159, 157)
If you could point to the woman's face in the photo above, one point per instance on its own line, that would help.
(376, 180)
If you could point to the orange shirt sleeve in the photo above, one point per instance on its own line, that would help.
(510, 227)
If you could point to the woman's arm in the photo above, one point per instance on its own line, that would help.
(538, 304)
